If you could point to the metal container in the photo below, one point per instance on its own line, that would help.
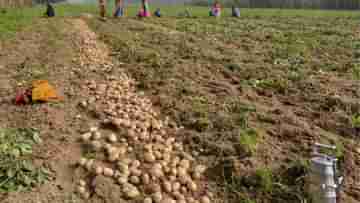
(323, 180)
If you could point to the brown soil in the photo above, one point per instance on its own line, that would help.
(200, 78)
(48, 50)
(193, 80)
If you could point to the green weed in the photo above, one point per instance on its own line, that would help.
(355, 121)
(356, 72)
(247, 201)
(247, 142)
(278, 84)
(17, 173)
(264, 180)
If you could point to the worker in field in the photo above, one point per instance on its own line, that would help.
(157, 13)
(119, 8)
(215, 10)
(50, 11)
(185, 13)
(235, 12)
(102, 5)
(144, 9)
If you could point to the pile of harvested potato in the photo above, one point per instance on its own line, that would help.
(159, 170)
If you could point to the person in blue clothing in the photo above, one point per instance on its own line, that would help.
(119, 8)
(50, 11)
(235, 12)
(157, 13)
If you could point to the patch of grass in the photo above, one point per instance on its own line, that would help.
(340, 150)
(278, 84)
(239, 111)
(264, 180)
(17, 172)
(14, 19)
(247, 142)
(356, 72)
(355, 121)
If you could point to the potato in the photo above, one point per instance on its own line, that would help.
(176, 186)
(205, 199)
(89, 164)
(82, 183)
(122, 180)
(135, 180)
(185, 164)
(168, 200)
(96, 136)
(86, 137)
(82, 161)
(157, 197)
(148, 200)
(112, 138)
(99, 170)
(192, 186)
(167, 186)
(145, 178)
(149, 157)
(81, 189)
(108, 172)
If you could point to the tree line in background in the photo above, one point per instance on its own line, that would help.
(23, 3)
(298, 4)
(15, 3)
(303, 4)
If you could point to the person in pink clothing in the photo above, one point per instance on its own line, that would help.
(216, 9)
(144, 10)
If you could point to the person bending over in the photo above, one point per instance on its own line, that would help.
(119, 8)
(215, 10)
(157, 13)
(50, 11)
(235, 12)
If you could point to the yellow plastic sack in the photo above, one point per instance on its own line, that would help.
(43, 91)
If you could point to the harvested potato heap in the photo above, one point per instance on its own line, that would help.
(148, 163)
(143, 159)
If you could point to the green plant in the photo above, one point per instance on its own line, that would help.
(264, 180)
(247, 142)
(240, 112)
(16, 169)
(356, 72)
(247, 200)
(355, 121)
(202, 124)
(340, 149)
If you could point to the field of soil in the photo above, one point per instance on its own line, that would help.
(247, 98)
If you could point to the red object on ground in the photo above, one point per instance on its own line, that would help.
(23, 97)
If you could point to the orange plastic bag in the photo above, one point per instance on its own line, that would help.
(43, 91)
